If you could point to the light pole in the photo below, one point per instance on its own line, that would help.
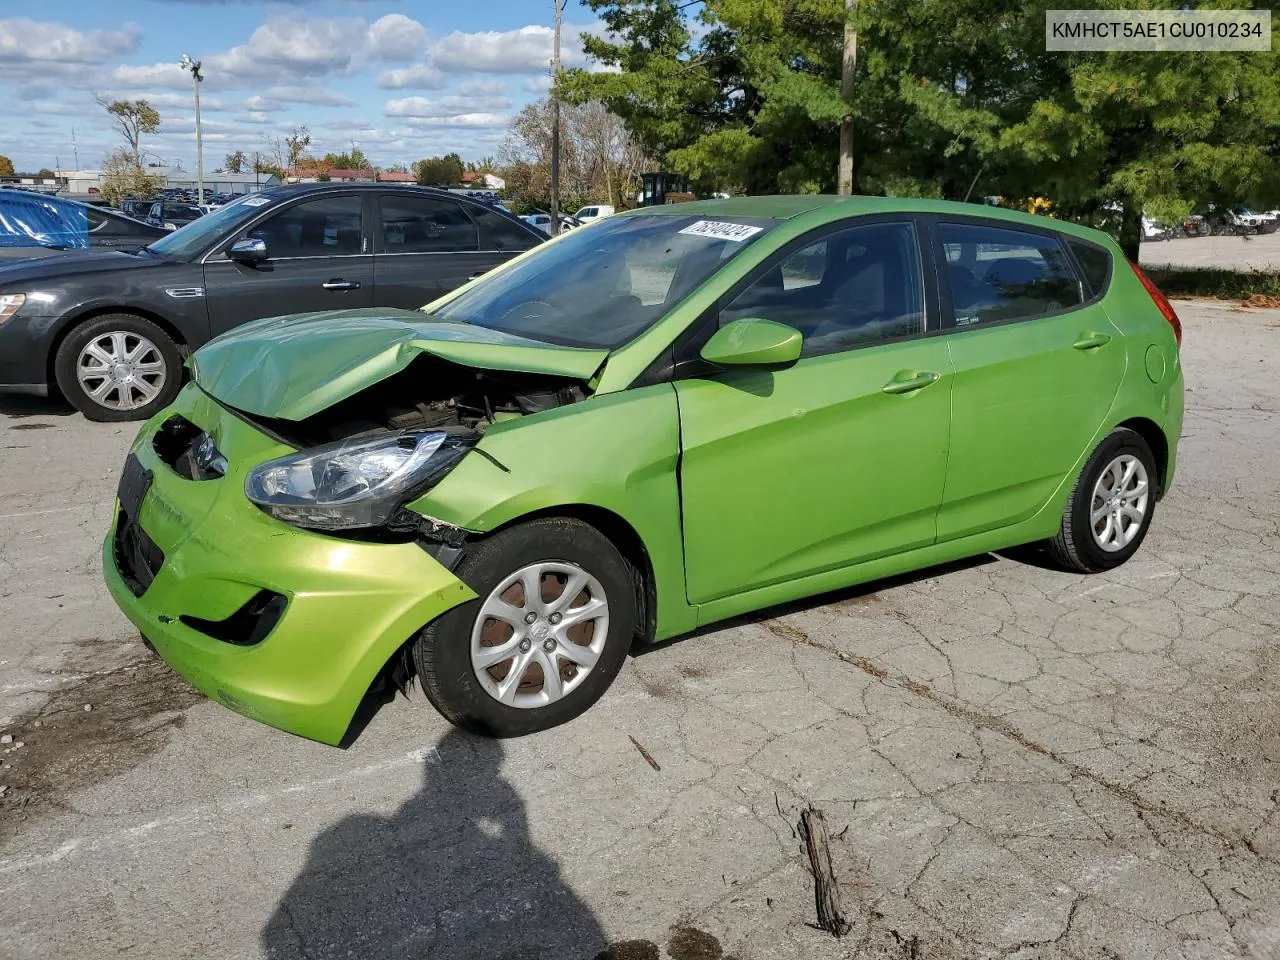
(196, 78)
(555, 125)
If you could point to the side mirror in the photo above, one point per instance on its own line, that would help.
(753, 342)
(248, 250)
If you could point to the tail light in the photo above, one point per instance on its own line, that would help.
(1161, 301)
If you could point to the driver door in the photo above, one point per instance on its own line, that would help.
(317, 259)
(838, 459)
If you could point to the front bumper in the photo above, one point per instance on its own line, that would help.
(350, 605)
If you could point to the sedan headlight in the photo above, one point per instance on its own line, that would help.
(353, 483)
(9, 304)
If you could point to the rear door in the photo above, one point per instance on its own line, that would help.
(317, 259)
(426, 246)
(1037, 366)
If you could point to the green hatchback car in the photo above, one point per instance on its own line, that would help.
(657, 421)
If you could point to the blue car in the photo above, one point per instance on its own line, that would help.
(37, 224)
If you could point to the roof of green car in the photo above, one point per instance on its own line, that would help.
(826, 207)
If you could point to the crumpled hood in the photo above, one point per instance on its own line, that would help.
(291, 368)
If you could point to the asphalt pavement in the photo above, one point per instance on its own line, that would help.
(1012, 761)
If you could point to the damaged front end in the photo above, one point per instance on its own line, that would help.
(403, 402)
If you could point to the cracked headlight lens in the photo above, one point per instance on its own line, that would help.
(353, 483)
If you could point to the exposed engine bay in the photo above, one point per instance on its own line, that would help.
(430, 394)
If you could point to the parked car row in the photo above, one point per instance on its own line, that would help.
(110, 329)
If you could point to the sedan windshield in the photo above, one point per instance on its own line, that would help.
(603, 285)
(199, 234)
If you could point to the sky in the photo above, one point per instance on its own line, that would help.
(403, 79)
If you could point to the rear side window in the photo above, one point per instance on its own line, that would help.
(500, 233)
(1096, 264)
(997, 274)
(425, 225)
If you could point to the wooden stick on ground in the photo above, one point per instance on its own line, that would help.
(826, 892)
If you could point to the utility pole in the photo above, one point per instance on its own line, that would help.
(75, 150)
(196, 77)
(555, 125)
(850, 62)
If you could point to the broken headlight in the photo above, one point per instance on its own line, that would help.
(360, 482)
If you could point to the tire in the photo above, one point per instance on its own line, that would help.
(1079, 546)
(119, 335)
(443, 652)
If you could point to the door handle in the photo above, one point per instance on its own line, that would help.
(341, 285)
(1090, 341)
(917, 381)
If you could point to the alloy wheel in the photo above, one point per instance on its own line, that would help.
(1119, 505)
(539, 633)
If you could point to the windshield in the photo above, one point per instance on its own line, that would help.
(603, 285)
(198, 234)
(32, 219)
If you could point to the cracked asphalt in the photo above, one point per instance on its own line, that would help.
(1013, 761)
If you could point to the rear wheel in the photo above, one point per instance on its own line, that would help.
(1109, 510)
(552, 626)
(118, 367)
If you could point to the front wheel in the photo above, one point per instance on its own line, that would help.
(552, 626)
(118, 367)
(1109, 510)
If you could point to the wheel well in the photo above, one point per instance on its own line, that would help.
(88, 315)
(623, 536)
(1150, 431)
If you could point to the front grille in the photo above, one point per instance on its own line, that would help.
(137, 557)
(247, 626)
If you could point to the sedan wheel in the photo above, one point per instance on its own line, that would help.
(554, 618)
(118, 367)
(121, 370)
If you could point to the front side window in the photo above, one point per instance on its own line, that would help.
(999, 274)
(604, 285)
(326, 227)
(425, 225)
(856, 286)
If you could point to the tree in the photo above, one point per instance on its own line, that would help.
(354, 159)
(599, 159)
(132, 118)
(234, 162)
(950, 99)
(6, 166)
(45, 172)
(122, 177)
(439, 171)
(296, 144)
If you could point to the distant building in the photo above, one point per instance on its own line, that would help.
(386, 176)
(90, 181)
(487, 181)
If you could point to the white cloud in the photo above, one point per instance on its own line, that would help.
(538, 84)
(461, 120)
(45, 41)
(396, 37)
(525, 50)
(483, 88)
(168, 75)
(274, 98)
(444, 106)
(289, 45)
(254, 116)
(420, 76)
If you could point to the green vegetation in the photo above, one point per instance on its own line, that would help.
(951, 99)
(1214, 282)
